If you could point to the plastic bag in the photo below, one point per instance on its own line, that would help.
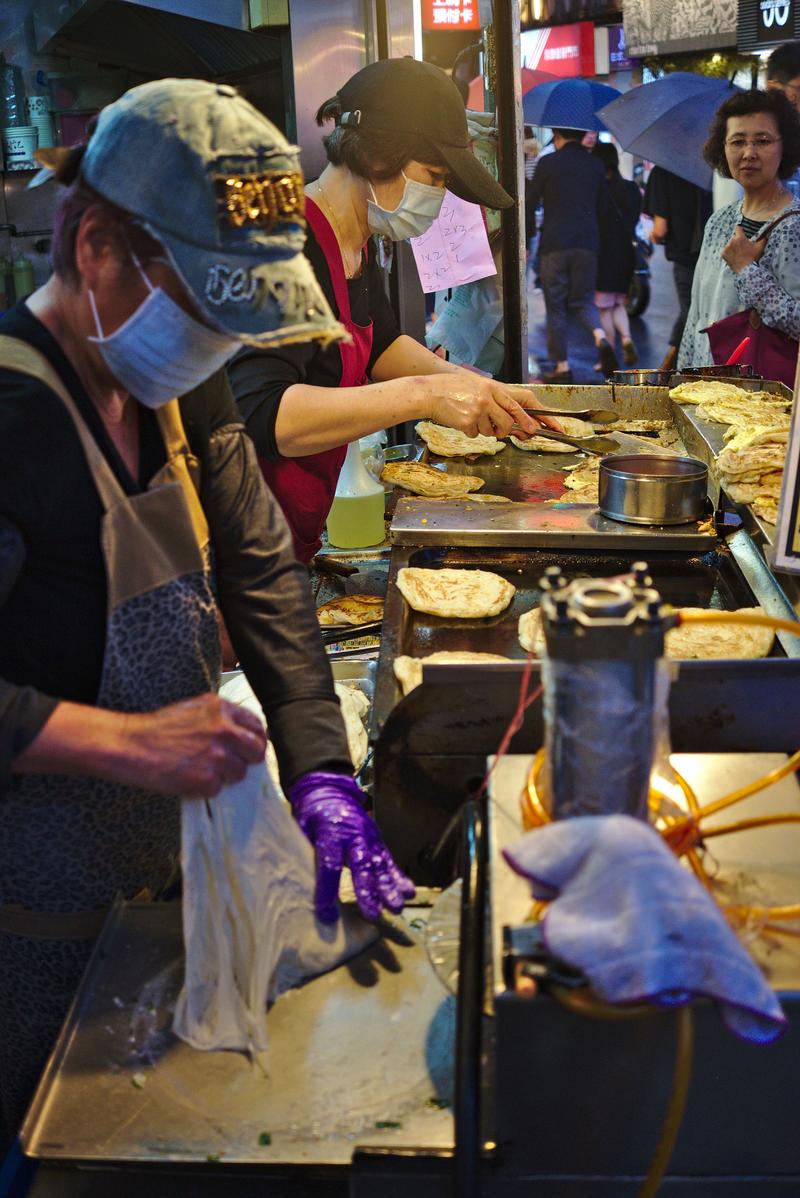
(249, 927)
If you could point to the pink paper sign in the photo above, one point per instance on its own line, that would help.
(455, 249)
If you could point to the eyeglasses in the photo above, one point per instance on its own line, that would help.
(758, 143)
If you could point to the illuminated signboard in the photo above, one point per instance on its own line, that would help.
(450, 14)
(565, 50)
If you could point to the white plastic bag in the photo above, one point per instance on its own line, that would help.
(249, 927)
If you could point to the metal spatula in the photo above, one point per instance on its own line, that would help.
(599, 415)
(598, 445)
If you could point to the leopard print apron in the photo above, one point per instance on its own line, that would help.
(69, 845)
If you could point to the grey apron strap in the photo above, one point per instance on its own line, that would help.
(150, 538)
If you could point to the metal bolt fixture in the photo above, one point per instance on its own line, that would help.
(641, 573)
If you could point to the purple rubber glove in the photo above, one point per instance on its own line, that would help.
(330, 810)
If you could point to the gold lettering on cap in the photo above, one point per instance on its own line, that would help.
(266, 200)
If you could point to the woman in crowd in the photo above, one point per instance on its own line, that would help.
(114, 499)
(754, 139)
(400, 138)
(617, 258)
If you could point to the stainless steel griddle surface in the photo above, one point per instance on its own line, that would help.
(710, 580)
(543, 512)
(369, 1043)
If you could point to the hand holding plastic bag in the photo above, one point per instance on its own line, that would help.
(329, 808)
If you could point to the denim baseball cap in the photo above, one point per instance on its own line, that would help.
(222, 190)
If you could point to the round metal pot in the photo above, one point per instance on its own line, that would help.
(653, 488)
(737, 371)
(643, 378)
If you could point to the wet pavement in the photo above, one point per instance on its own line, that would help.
(650, 332)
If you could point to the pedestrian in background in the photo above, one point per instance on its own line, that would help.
(679, 210)
(617, 257)
(783, 71)
(571, 187)
(783, 74)
(754, 139)
(530, 147)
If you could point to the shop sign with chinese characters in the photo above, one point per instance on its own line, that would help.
(450, 14)
(564, 50)
(618, 50)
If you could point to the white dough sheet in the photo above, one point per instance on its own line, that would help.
(249, 927)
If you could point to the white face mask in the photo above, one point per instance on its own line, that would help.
(161, 352)
(419, 206)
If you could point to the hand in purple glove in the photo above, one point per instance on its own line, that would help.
(330, 810)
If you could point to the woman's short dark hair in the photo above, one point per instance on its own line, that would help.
(372, 153)
(607, 153)
(750, 103)
(74, 202)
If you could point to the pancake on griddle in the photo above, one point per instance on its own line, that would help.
(351, 609)
(452, 443)
(531, 632)
(707, 389)
(572, 427)
(706, 641)
(408, 670)
(457, 594)
(425, 480)
(745, 413)
(638, 425)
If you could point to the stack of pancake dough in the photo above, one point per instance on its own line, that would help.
(751, 465)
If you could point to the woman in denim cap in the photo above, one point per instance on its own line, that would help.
(755, 139)
(400, 138)
(116, 500)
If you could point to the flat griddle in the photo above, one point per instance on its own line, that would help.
(712, 580)
(541, 514)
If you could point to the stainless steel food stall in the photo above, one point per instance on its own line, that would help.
(419, 1068)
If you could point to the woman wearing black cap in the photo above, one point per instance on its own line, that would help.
(400, 139)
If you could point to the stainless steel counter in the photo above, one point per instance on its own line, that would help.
(362, 1056)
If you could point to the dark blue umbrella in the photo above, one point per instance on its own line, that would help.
(668, 120)
(567, 104)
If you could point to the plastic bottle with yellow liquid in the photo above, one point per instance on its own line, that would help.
(356, 516)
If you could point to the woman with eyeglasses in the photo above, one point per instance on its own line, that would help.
(754, 139)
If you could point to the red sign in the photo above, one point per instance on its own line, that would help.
(563, 50)
(450, 14)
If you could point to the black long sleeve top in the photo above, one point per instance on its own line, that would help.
(571, 186)
(259, 377)
(52, 574)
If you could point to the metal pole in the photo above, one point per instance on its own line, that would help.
(382, 28)
(469, 1011)
(508, 97)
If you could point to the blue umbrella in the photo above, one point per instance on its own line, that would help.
(668, 121)
(567, 104)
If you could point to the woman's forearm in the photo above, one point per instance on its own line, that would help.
(776, 307)
(406, 356)
(313, 419)
(78, 740)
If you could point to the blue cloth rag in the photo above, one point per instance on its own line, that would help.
(639, 925)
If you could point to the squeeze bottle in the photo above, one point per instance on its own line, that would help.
(356, 516)
(23, 277)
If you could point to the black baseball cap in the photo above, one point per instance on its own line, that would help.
(402, 95)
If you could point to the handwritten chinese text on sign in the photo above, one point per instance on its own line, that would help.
(455, 250)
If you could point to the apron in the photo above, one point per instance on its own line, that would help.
(305, 487)
(70, 845)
